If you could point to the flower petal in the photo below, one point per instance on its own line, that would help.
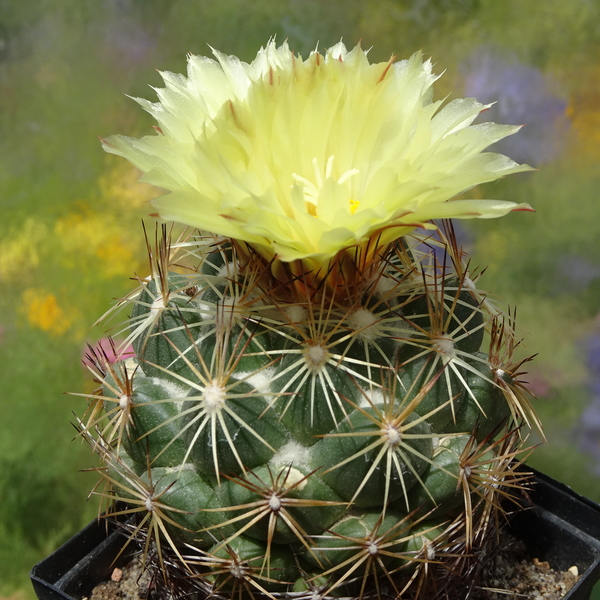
(304, 158)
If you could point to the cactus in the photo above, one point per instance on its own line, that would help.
(324, 442)
(339, 426)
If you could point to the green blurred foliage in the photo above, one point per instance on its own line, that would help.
(70, 236)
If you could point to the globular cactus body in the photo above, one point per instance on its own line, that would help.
(338, 442)
(322, 402)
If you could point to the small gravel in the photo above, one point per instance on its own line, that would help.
(516, 574)
(513, 574)
(129, 583)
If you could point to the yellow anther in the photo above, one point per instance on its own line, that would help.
(353, 206)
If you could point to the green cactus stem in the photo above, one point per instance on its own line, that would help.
(335, 443)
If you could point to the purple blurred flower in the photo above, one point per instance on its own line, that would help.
(589, 424)
(591, 416)
(574, 273)
(105, 351)
(539, 384)
(524, 96)
(592, 349)
(587, 436)
(128, 40)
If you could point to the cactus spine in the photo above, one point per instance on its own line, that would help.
(341, 436)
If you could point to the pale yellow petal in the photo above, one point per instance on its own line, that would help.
(303, 158)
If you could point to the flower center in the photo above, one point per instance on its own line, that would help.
(313, 189)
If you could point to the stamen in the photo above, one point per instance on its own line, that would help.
(311, 190)
(310, 193)
(317, 173)
(349, 173)
(329, 167)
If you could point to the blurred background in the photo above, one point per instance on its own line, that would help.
(70, 230)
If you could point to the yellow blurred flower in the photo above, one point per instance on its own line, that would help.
(87, 233)
(42, 310)
(306, 158)
(117, 257)
(20, 250)
(584, 112)
(120, 190)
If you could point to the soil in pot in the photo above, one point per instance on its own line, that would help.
(513, 573)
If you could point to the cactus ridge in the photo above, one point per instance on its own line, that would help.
(334, 434)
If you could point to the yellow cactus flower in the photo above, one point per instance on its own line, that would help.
(305, 159)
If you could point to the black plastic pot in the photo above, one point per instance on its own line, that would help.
(87, 559)
(563, 528)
